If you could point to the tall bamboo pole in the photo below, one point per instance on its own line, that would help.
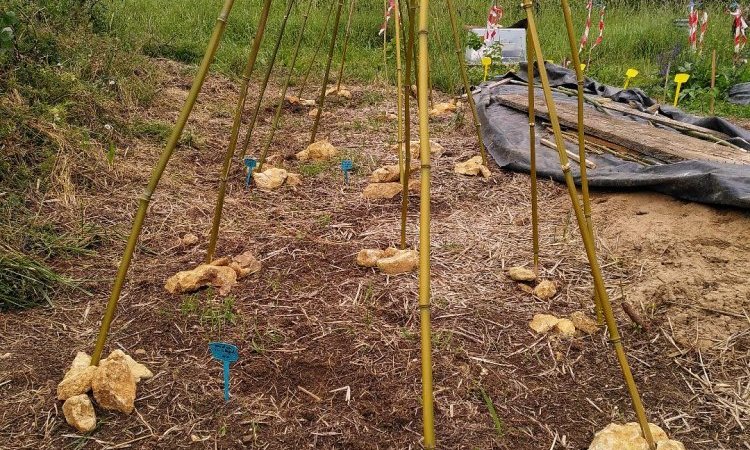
(588, 242)
(266, 77)
(581, 138)
(428, 413)
(465, 79)
(385, 41)
(411, 7)
(237, 123)
(322, 101)
(404, 169)
(532, 154)
(315, 54)
(287, 81)
(346, 44)
(135, 232)
(713, 82)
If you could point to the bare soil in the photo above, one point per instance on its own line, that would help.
(311, 322)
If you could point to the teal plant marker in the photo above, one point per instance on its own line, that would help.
(250, 163)
(227, 354)
(346, 166)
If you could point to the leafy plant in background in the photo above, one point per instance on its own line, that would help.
(474, 42)
(8, 21)
(496, 53)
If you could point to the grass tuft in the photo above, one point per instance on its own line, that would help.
(26, 282)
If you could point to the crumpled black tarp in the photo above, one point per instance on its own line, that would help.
(739, 94)
(505, 132)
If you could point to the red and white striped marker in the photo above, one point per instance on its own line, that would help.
(739, 29)
(493, 19)
(388, 11)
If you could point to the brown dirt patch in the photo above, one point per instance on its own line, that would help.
(312, 319)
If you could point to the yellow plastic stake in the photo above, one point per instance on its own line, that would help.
(680, 78)
(486, 62)
(629, 75)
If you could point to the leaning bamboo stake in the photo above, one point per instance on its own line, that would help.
(532, 154)
(246, 73)
(266, 77)
(465, 79)
(323, 33)
(158, 171)
(322, 100)
(428, 414)
(410, 5)
(347, 34)
(280, 107)
(588, 242)
(581, 139)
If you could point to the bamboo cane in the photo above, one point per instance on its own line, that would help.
(404, 169)
(385, 41)
(236, 129)
(581, 139)
(321, 103)
(280, 107)
(410, 5)
(713, 82)
(588, 242)
(315, 54)
(428, 414)
(346, 44)
(217, 34)
(465, 79)
(266, 77)
(532, 154)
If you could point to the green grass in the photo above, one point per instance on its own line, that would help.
(61, 83)
(25, 281)
(638, 34)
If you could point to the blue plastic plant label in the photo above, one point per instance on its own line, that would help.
(227, 354)
(346, 166)
(250, 163)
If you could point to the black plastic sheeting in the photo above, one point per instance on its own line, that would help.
(739, 94)
(506, 136)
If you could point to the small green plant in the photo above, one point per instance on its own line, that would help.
(325, 220)
(496, 53)
(312, 169)
(442, 339)
(407, 334)
(497, 422)
(261, 340)
(219, 315)
(190, 305)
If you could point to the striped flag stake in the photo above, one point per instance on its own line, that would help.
(493, 20)
(739, 30)
(585, 36)
(693, 26)
(697, 25)
(388, 12)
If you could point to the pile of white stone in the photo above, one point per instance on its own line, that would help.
(113, 384)
(391, 261)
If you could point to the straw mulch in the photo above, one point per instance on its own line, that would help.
(330, 351)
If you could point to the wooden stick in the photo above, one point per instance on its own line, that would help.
(713, 82)
(571, 155)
